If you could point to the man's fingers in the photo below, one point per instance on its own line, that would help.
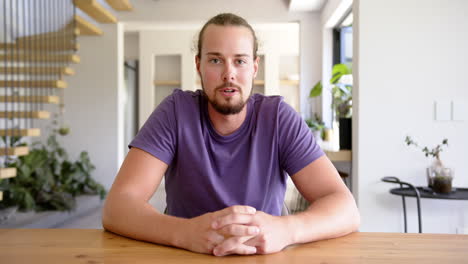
(215, 238)
(234, 245)
(236, 209)
(253, 242)
(239, 230)
(231, 219)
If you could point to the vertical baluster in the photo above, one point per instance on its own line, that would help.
(5, 52)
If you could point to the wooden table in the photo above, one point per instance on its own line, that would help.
(89, 246)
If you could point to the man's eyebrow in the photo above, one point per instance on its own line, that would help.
(219, 54)
(214, 53)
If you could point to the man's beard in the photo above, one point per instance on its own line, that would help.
(227, 109)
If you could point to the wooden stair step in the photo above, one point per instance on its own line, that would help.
(37, 70)
(120, 5)
(30, 99)
(7, 173)
(70, 58)
(29, 132)
(41, 45)
(25, 114)
(15, 151)
(34, 84)
(56, 36)
(95, 10)
(86, 27)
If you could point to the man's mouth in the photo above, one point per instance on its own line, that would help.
(229, 90)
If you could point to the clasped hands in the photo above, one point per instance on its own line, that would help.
(237, 230)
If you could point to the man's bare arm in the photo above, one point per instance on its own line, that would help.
(128, 213)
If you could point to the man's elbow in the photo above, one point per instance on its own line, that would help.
(106, 219)
(356, 220)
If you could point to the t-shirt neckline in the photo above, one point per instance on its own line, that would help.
(235, 134)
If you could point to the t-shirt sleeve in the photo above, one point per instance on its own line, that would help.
(297, 145)
(158, 134)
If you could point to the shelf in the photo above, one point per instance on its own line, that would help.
(34, 84)
(167, 83)
(96, 11)
(25, 114)
(341, 155)
(7, 173)
(86, 27)
(40, 57)
(282, 82)
(120, 5)
(30, 99)
(17, 151)
(289, 82)
(30, 132)
(37, 70)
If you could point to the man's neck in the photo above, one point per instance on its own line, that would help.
(226, 124)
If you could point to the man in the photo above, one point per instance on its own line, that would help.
(225, 154)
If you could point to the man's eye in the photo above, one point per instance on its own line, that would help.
(241, 62)
(215, 61)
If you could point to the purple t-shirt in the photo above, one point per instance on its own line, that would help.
(209, 172)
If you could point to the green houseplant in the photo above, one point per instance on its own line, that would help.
(439, 177)
(47, 179)
(316, 125)
(341, 89)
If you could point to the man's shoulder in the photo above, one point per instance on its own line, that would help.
(267, 101)
(183, 99)
(178, 93)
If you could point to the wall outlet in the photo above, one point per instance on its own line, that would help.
(459, 110)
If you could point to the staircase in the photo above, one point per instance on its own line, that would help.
(38, 45)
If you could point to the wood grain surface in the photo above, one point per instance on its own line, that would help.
(91, 246)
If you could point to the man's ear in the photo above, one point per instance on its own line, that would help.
(197, 63)
(256, 60)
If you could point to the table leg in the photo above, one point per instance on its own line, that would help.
(404, 213)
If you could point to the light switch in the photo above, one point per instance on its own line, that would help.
(443, 110)
(459, 110)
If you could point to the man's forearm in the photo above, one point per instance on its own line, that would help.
(137, 219)
(331, 216)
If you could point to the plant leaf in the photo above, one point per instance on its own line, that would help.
(317, 90)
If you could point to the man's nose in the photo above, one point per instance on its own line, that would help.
(229, 73)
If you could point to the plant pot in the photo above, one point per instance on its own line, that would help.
(345, 126)
(442, 184)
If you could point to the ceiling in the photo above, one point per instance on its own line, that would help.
(306, 5)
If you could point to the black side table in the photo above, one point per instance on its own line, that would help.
(422, 192)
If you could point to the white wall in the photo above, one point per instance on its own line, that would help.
(92, 102)
(410, 54)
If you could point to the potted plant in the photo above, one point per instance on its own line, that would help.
(317, 126)
(47, 179)
(341, 89)
(439, 177)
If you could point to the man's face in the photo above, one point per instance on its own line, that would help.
(227, 67)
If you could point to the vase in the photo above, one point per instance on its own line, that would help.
(440, 179)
